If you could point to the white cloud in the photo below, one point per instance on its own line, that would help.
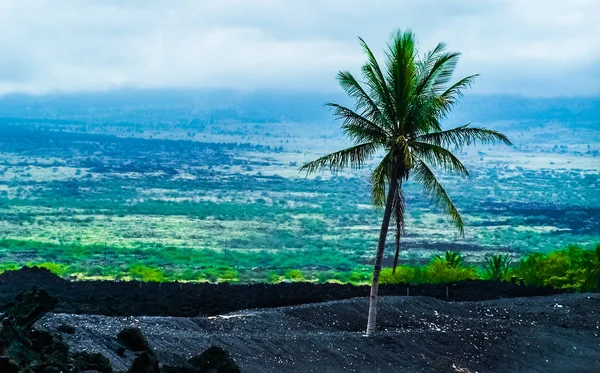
(530, 47)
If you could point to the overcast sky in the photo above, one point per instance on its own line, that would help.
(528, 47)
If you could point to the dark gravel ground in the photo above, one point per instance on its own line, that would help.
(558, 333)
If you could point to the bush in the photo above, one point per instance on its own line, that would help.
(56, 268)
(403, 275)
(273, 278)
(190, 275)
(359, 276)
(95, 271)
(573, 268)
(294, 275)
(146, 274)
(9, 266)
(229, 275)
(440, 272)
(437, 271)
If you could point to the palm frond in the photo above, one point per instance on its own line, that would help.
(353, 157)
(401, 70)
(435, 80)
(462, 136)
(378, 179)
(451, 258)
(439, 157)
(423, 174)
(357, 127)
(378, 85)
(450, 96)
(497, 266)
(426, 107)
(425, 64)
(422, 116)
(362, 99)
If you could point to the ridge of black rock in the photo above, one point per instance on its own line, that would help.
(113, 298)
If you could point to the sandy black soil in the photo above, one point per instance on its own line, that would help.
(172, 299)
(559, 333)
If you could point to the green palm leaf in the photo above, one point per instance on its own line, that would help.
(353, 157)
(376, 81)
(401, 71)
(378, 180)
(357, 127)
(455, 92)
(462, 136)
(362, 99)
(434, 189)
(439, 157)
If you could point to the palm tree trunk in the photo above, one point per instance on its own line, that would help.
(397, 253)
(379, 257)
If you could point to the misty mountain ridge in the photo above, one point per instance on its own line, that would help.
(214, 106)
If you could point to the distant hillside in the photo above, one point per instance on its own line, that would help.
(511, 108)
(271, 106)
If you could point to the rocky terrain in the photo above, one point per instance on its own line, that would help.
(558, 333)
(134, 298)
(473, 326)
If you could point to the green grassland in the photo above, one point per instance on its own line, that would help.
(225, 201)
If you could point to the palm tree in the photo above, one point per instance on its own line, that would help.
(398, 112)
(451, 258)
(497, 266)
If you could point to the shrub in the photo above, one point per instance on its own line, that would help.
(572, 268)
(9, 266)
(360, 276)
(343, 277)
(273, 278)
(294, 275)
(56, 268)
(403, 275)
(190, 275)
(95, 271)
(440, 272)
(573, 280)
(593, 270)
(146, 274)
(229, 275)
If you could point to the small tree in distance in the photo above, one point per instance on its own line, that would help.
(451, 258)
(497, 266)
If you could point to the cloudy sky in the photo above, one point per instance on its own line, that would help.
(527, 47)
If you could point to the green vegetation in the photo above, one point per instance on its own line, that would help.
(451, 259)
(573, 268)
(437, 271)
(130, 198)
(398, 111)
(102, 185)
(498, 266)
